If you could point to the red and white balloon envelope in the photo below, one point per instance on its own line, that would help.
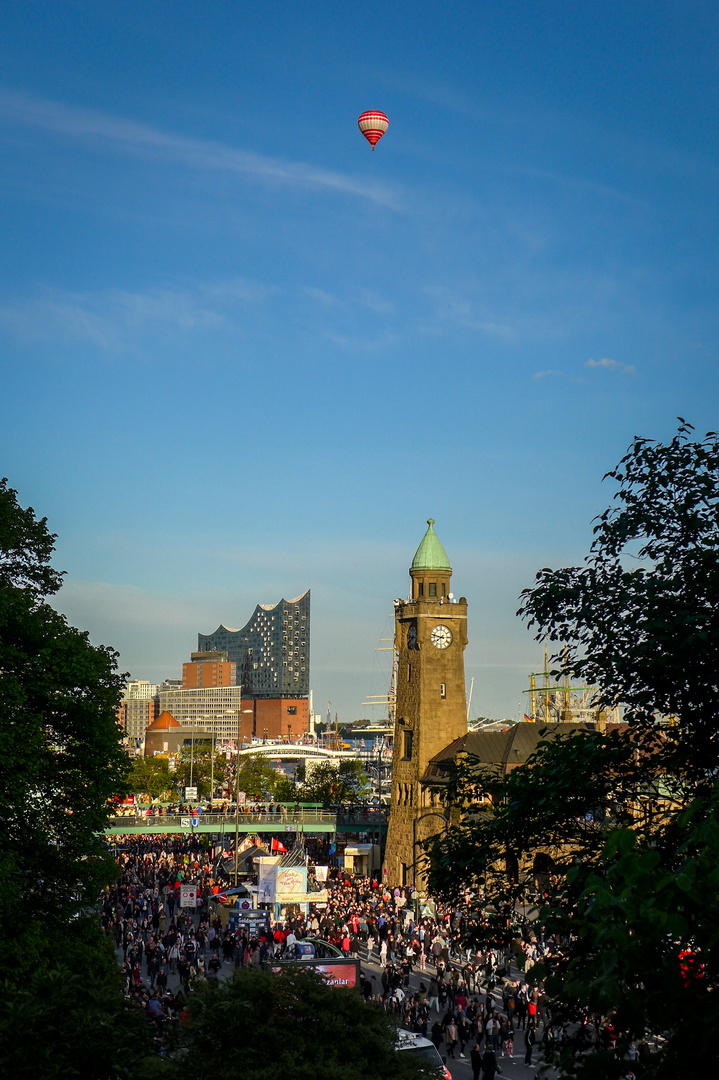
(373, 125)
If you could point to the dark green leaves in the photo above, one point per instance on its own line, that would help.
(61, 757)
(640, 618)
(629, 820)
(263, 1025)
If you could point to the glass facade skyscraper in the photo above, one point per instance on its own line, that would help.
(271, 651)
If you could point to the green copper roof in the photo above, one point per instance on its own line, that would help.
(430, 555)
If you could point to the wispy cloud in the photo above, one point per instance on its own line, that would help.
(108, 317)
(115, 319)
(321, 296)
(578, 183)
(547, 374)
(376, 303)
(351, 303)
(614, 365)
(456, 309)
(118, 135)
(425, 89)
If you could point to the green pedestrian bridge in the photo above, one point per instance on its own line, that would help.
(302, 821)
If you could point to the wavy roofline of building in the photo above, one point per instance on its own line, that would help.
(260, 607)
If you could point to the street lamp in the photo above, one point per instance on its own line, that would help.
(212, 718)
(189, 719)
(237, 788)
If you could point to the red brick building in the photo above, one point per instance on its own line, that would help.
(207, 669)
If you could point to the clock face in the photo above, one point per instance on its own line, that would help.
(441, 637)
(412, 636)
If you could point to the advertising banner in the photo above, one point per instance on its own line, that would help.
(281, 884)
(291, 884)
(266, 878)
(338, 971)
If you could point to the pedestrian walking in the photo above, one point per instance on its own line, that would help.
(433, 994)
(451, 1037)
(490, 1065)
(509, 1038)
(529, 1041)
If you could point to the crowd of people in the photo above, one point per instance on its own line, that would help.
(469, 1003)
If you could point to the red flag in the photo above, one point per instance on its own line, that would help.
(529, 719)
(277, 846)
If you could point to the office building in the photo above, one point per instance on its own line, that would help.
(138, 708)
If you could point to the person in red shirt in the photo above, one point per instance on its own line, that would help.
(279, 937)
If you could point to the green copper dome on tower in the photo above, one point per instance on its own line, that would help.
(430, 555)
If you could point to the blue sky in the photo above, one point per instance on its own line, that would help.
(243, 356)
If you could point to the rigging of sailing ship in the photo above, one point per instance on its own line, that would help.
(377, 757)
(552, 701)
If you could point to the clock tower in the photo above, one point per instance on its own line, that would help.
(431, 710)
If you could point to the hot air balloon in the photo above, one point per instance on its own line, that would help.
(373, 125)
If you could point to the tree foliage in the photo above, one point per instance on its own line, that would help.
(640, 617)
(578, 786)
(629, 817)
(332, 784)
(61, 763)
(66, 1018)
(257, 777)
(151, 776)
(262, 1025)
(61, 758)
(285, 789)
(196, 764)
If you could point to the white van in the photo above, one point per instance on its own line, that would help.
(425, 1050)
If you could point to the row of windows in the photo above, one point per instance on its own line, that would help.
(432, 589)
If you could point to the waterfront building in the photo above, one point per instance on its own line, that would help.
(271, 651)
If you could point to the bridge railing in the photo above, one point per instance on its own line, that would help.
(278, 821)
